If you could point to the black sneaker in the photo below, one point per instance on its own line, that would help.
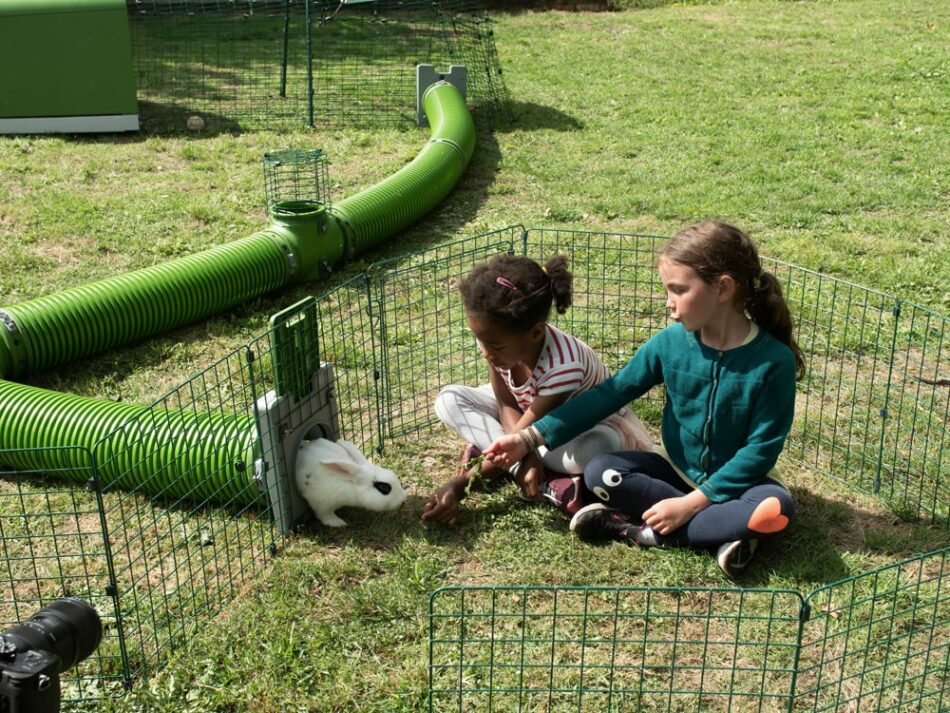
(733, 557)
(599, 523)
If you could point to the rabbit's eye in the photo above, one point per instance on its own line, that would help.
(384, 488)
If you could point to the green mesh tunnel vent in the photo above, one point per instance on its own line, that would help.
(297, 175)
(872, 416)
(286, 63)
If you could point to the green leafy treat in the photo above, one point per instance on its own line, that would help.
(476, 463)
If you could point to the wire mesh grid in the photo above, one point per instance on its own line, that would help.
(424, 341)
(53, 545)
(879, 641)
(872, 410)
(611, 649)
(296, 175)
(235, 64)
(187, 525)
(178, 523)
(364, 67)
(915, 450)
(280, 63)
(347, 337)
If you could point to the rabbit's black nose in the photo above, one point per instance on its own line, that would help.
(384, 488)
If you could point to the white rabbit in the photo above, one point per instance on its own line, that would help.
(334, 474)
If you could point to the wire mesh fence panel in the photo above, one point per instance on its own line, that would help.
(281, 63)
(611, 649)
(846, 335)
(53, 546)
(618, 297)
(880, 640)
(472, 44)
(365, 55)
(234, 64)
(874, 408)
(346, 338)
(618, 300)
(188, 526)
(425, 343)
(915, 459)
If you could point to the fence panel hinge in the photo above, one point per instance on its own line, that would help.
(804, 614)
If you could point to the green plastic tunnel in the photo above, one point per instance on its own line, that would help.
(186, 454)
(196, 456)
(51, 330)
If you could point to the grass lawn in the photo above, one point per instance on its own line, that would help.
(821, 128)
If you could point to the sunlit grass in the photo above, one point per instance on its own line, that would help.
(816, 126)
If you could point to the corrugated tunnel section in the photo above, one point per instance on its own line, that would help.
(200, 456)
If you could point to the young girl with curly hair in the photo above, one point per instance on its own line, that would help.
(533, 367)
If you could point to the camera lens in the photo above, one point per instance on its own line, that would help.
(69, 628)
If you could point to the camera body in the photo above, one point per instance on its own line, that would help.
(34, 653)
(29, 680)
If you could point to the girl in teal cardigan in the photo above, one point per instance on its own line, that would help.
(729, 365)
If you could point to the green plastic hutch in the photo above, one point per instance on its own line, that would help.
(66, 67)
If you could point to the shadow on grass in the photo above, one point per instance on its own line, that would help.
(527, 116)
(167, 118)
(832, 539)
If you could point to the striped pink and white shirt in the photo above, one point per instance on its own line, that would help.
(566, 364)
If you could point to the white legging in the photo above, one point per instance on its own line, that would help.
(473, 414)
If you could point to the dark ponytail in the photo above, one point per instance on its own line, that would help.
(562, 282)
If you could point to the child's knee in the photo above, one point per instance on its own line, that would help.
(594, 443)
(773, 513)
(601, 476)
(593, 470)
(447, 403)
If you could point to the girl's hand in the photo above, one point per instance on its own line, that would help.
(506, 450)
(530, 476)
(671, 514)
(443, 505)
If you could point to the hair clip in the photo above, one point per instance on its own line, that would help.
(505, 282)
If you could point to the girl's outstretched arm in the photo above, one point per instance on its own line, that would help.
(511, 448)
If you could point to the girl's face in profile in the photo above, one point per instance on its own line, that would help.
(505, 349)
(690, 299)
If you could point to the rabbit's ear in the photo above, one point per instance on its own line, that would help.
(352, 451)
(346, 469)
